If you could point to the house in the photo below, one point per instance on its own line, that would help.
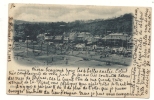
(29, 41)
(48, 37)
(130, 42)
(116, 39)
(87, 35)
(116, 36)
(84, 36)
(90, 40)
(81, 36)
(66, 39)
(72, 36)
(21, 40)
(80, 46)
(58, 38)
(97, 38)
(40, 35)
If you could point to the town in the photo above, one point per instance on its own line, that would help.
(80, 43)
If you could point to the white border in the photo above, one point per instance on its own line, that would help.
(3, 43)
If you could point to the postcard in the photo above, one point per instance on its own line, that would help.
(79, 50)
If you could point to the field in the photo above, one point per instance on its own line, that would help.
(52, 56)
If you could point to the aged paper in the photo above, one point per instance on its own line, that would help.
(74, 50)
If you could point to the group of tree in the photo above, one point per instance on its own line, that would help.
(123, 23)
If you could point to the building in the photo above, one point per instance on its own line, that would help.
(58, 39)
(130, 42)
(85, 37)
(20, 40)
(40, 36)
(48, 37)
(97, 38)
(116, 39)
(80, 46)
(88, 35)
(28, 41)
(90, 40)
(72, 36)
(81, 36)
(66, 39)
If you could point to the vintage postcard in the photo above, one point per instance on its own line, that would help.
(79, 50)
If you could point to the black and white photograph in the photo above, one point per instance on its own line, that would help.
(73, 35)
(79, 50)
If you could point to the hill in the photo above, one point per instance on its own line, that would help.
(122, 23)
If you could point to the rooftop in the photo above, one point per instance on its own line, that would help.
(118, 34)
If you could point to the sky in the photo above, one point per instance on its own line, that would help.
(66, 13)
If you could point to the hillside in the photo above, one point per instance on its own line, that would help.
(96, 27)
